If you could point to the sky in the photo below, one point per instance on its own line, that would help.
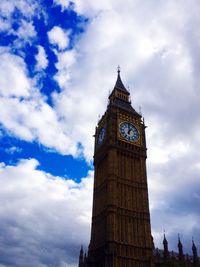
(58, 63)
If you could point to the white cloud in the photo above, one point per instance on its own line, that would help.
(24, 110)
(13, 76)
(35, 120)
(59, 37)
(40, 215)
(86, 7)
(4, 26)
(175, 199)
(28, 8)
(65, 61)
(26, 31)
(159, 55)
(41, 57)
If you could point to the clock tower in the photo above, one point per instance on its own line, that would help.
(121, 230)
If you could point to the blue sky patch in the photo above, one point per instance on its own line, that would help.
(13, 149)
(50, 15)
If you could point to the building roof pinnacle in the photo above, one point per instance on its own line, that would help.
(119, 84)
(164, 239)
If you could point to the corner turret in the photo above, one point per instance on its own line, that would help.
(194, 251)
(180, 250)
(81, 258)
(166, 251)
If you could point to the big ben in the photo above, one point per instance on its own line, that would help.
(121, 230)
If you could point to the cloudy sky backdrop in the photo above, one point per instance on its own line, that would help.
(58, 62)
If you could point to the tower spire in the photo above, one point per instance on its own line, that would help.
(180, 249)
(194, 250)
(119, 84)
(81, 259)
(120, 96)
(118, 69)
(165, 245)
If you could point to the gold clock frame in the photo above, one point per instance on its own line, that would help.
(136, 123)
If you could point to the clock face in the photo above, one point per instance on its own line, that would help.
(128, 131)
(101, 136)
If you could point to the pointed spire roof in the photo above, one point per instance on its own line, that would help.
(119, 97)
(81, 256)
(194, 250)
(193, 245)
(81, 250)
(165, 243)
(179, 241)
(164, 239)
(119, 84)
(180, 249)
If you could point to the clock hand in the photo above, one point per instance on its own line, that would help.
(129, 129)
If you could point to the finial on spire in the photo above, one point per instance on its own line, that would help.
(118, 69)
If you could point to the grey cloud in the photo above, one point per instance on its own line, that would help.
(43, 219)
